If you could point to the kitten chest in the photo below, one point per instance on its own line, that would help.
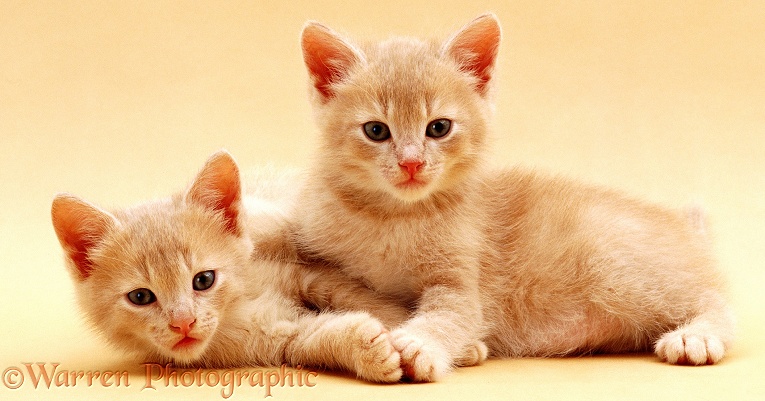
(392, 256)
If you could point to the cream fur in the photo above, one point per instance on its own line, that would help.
(254, 314)
(533, 265)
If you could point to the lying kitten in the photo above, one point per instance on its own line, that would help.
(180, 280)
(533, 265)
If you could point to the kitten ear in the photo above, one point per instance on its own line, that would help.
(79, 227)
(327, 56)
(218, 187)
(475, 48)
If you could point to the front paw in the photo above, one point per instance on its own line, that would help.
(377, 360)
(685, 347)
(421, 362)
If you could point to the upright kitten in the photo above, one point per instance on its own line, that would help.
(180, 280)
(533, 265)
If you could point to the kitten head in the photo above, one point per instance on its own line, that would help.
(403, 117)
(158, 279)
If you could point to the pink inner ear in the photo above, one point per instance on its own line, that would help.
(79, 255)
(79, 227)
(326, 56)
(217, 187)
(476, 47)
(229, 204)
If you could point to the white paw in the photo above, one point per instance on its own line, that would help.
(377, 360)
(684, 347)
(473, 355)
(421, 362)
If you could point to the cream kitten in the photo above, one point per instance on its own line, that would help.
(181, 280)
(533, 265)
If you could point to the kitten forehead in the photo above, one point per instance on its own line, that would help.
(409, 80)
(402, 45)
(398, 61)
(157, 244)
(172, 275)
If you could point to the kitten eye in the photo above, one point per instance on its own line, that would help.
(439, 128)
(376, 131)
(141, 296)
(204, 280)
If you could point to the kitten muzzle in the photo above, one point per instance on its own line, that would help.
(186, 343)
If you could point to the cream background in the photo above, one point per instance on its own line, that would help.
(120, 102)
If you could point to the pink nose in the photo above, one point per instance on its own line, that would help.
(411, 166)
(183, 324)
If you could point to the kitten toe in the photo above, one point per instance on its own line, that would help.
(715, 350)
(474, 355)
(683, 348)
(420, 362)
(378, 360)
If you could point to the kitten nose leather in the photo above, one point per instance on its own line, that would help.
(411, 166)
(182, 324)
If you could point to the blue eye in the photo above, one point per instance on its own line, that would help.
(439, 128)
(204, 280)
(377, 131)
(141, 296)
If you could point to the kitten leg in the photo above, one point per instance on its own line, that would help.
(329, 288)
(352, 341)
(703, 340)
(433, 342)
